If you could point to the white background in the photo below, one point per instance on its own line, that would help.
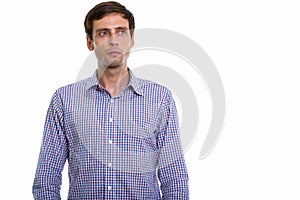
(254, 45)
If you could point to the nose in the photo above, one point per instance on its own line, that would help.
(113, 41)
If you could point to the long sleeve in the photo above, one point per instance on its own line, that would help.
(53, 154)
(172, 171)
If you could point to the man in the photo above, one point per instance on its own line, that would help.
(119, 133)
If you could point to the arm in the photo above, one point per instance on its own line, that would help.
(172, 171)
(53, 154)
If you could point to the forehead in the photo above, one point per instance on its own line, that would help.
(111, 21)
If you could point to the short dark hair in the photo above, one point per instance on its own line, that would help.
(101, 10)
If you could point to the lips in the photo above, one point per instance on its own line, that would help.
(114, 53)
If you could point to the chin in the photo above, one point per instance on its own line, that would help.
(113, 66)
(116, 64)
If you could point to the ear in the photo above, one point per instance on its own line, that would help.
(132, 40)
(90, 44)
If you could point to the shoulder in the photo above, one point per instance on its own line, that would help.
(154, 90)
(73, 89)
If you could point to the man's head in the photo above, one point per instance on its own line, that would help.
(109, 28)
(103, 9)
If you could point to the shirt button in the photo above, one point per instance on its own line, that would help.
(110, 119)
(109, 141)
(109, 187)
(109, 164)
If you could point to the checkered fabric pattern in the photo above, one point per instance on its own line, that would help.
(122, 147)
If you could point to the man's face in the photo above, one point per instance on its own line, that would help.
(111, 40)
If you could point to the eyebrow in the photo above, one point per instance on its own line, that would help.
(108, 29)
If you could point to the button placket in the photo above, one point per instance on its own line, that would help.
(110, 146)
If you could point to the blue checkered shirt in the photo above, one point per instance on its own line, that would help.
(122, 147)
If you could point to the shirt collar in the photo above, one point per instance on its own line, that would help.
(92, 82)
(134, 83)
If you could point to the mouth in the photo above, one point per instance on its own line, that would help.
(114, 53)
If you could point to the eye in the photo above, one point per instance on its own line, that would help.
(121, 32)
(103, 33)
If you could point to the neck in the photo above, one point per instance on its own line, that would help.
(113, 79)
